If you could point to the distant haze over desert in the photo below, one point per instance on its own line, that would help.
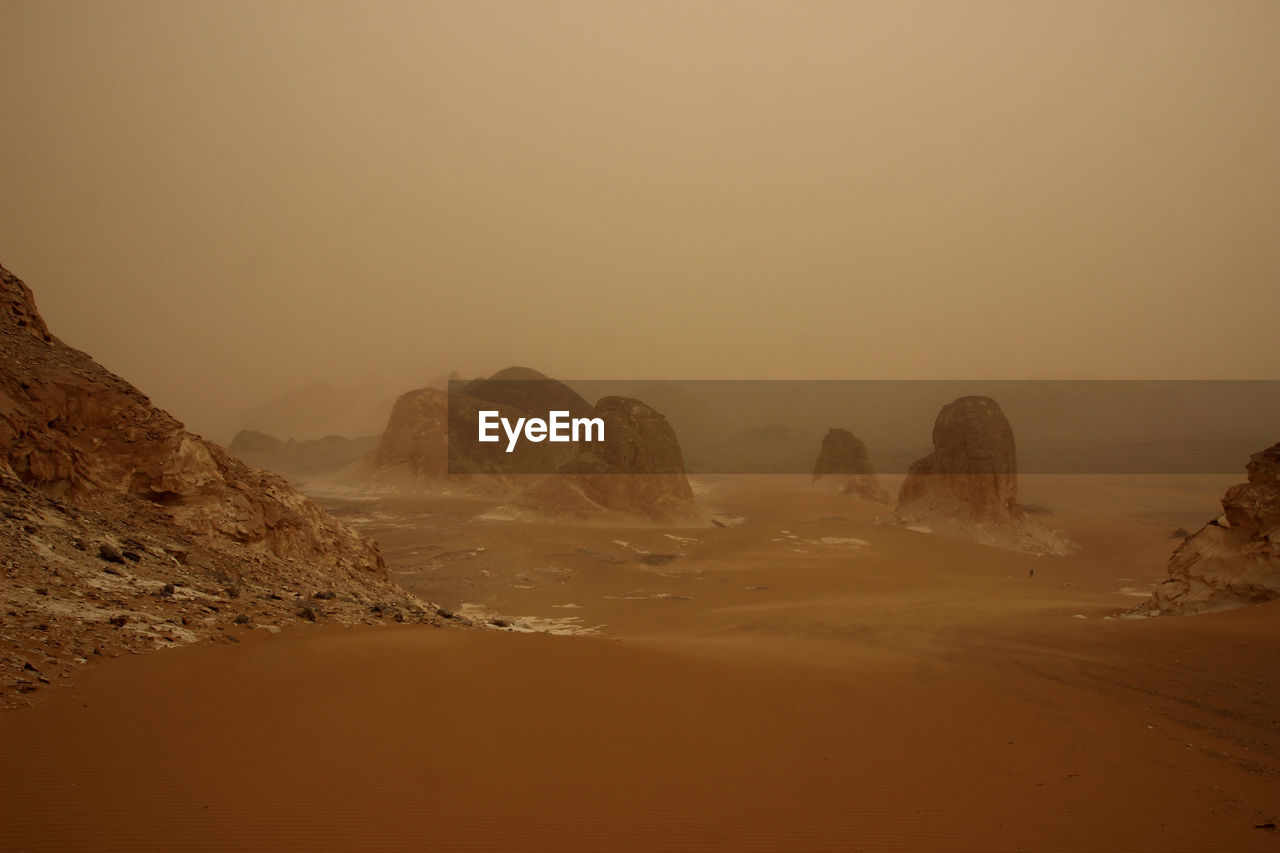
(653, 425)
(372, 197)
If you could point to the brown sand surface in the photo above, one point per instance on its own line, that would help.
(809, 680)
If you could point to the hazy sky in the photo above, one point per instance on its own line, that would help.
(223, 201)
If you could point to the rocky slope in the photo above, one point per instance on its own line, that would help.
(844, 457)
(121, 530)
(968, 485)
(1233, 560)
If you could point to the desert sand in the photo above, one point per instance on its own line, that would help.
(814, 678)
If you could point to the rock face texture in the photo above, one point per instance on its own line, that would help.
(844, 455)
(1235, 559)
(972, 472)
(93, 478)
(637, 471)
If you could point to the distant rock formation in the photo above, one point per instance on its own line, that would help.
(638, 471)
(1233, 560)
(528, 391)
(248, 441)
(845, 455)
(968, 485)
(414, 451)
(94, 480)
(292, 458)
(321, 409)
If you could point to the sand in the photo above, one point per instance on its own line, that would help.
(809, 680)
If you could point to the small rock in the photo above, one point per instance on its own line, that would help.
(119, 621)
(241, 619)
(308, 612)
(109, 553)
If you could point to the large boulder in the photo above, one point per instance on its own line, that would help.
(968, 485)
(1233, 560)
(972, 473)
(637, 471)
(844, 457)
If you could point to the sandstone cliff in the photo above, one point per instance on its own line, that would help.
(1233, 560)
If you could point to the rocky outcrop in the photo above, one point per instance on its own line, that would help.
(968, 485)
(93, 476)
(527, 391)
(1233, 560)
(972, 473)
(637, 471)
(844, 457)
(415, 451)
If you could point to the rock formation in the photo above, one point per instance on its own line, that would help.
(845, 455)
(415, 451)
(527, 391)
(251, 442)
(637, 471)
(121, 529)
(1233, 560)
(972, 472)
(968, 485)
(308, 458)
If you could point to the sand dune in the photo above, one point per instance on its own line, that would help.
(810, 680)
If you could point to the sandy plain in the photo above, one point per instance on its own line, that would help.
(811, 679)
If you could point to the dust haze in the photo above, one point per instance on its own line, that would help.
(935, 502)
(230, 202)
